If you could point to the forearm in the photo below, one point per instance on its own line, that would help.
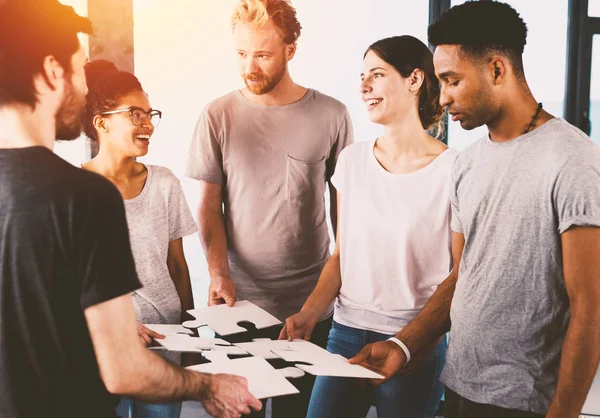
(327, 288)
(183, 285)
(152, 378)
(579, 361)
(433, 321)
(214, 241)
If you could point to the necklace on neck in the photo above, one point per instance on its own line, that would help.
(537, 112)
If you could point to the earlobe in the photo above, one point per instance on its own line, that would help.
(415, 80)
(498, 70)
(100, 124)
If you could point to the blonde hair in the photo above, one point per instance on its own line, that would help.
(258, 12)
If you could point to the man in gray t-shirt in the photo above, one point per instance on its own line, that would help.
(263, 156)
(522, 300)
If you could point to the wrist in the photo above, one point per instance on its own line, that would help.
(402, 346)
(201, 388)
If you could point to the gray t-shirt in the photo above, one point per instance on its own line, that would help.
(510, 310)
(157, 216)
(273, 163)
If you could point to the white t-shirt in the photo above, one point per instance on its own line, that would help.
(157, 216)
(395, 238)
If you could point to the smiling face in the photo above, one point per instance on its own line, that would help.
(466, 88)
(262, 56)
(120, 134)
(385, 92)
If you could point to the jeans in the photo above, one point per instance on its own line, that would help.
(459, 407)
(414, 396)
(132, 408)
(290, 406)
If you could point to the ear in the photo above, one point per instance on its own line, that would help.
(415, 80)
(100, 124)
(290, 51)
(51, 78)
(498, 68)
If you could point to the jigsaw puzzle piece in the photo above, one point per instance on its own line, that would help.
(320, 362)
(169, 329)
(263, 380)
(185, 343)
(263, 347)
(224, 319)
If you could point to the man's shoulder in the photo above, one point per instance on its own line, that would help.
(328, 101)
(221, 103)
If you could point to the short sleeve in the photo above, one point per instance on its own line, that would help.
(455, 222)
(205, 160)
(181, 221)
(339, 174)
(577, 191)
(107, 269)
(344, 138)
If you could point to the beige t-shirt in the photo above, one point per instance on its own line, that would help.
(273, 163)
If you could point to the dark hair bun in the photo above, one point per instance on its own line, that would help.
(95, 70)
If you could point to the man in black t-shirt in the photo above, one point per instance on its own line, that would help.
(68, 338)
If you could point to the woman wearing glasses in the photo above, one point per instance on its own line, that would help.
(118, 117)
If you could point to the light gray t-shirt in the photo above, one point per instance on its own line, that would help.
(273, 163)
(510, 310)
(157, 216)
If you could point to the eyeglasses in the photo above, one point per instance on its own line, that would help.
(139, 115)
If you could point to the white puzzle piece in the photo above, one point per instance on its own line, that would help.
(319, 361)
(168, 329)
(224, 319)
(185, 343)
(263, 380)
(262, 347)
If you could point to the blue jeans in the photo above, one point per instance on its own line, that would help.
(132, 408)
(414, 396)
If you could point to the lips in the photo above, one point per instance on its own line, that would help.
(142, 137)
(373, 103)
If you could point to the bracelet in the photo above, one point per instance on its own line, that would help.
(402, 346)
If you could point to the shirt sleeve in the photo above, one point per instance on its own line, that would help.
(455, 222)
(344, 138)
(107, 269)
(338, 176)
(181, 221)
(577, 191)
(205, 161)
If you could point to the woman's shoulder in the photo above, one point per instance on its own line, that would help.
(357, 150)
(162, 176)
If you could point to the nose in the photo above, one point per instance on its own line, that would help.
(365, 86)
(147, 123)
(250, 66)
(445, 98)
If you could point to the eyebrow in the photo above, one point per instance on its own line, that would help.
(447, 74)
(374, 69)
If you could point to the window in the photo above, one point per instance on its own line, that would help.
(544, 60)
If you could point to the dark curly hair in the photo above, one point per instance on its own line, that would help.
(407, 53)
(106, 86)
(482, 28)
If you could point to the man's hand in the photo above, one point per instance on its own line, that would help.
(300, 325)
(384, 357)
(227, 396)
(146, 334)
(221, 290)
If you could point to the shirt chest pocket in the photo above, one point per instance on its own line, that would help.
(305, 181)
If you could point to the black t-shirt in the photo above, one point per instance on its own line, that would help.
(64, 246)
